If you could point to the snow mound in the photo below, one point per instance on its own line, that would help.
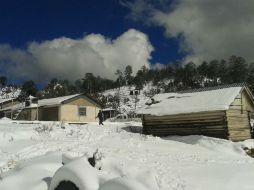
(79, 172)
(86, 177)
(31, 175)
(5, 119)
(211, 144)
(247, 144)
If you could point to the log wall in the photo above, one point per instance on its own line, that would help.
(204, 123)
(233, 124)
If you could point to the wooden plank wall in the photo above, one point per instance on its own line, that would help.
(204, 123)
(238, 118)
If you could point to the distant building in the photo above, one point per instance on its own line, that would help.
(7, 107)
(223, 112)
(73, 108)
(109, 113)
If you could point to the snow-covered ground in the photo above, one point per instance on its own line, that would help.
(30, 154)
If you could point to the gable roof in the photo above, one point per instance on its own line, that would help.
(55, 101)
(212, 99)
(63, 99)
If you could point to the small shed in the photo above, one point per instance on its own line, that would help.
(109, 113)
(73, 108)
(222, 111)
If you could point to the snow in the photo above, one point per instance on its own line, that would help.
(31, 154)
(9, 92)
(178, 103)
(127, 101)
(55, 101)
(79, 171)
(5, 118)
(14, 107)
(5, 100)
(122, 184)
(85, 177)
(248, 143)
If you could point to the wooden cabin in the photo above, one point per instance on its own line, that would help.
(222, 112)
(73, 108)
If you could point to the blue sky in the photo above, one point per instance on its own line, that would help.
(23, 21)
(43, 39)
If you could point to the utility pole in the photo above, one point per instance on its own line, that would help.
(11, 108)
(136, 99)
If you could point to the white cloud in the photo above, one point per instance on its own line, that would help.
(66, 58)
(207, 29)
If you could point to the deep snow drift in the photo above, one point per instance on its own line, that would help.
(30, 154)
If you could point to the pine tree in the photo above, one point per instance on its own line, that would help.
(89, 83)
(29, 88)
(238, 70)
(139, 79)
(3, 81)
(127, 73)
(120, 78)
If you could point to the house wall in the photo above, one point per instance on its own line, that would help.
(203, 123)
(29, 114)
(238, 117)
(69, 111)
(1, 114)
(65, 112)
(81, 101)
(7, 114)
(49, 113)
(34, 113)
(25, 114)
(8, 104)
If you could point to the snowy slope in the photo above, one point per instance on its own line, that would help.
(30, 154)
(7, 93)
(127, 101)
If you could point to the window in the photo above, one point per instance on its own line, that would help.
(82, 111)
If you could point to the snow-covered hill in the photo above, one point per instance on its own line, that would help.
(30, 154)
(129, 104)
(9, 92)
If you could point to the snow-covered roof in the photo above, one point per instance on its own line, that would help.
(14, 107)
(55, 101)
(4, 100)
(177, 103)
